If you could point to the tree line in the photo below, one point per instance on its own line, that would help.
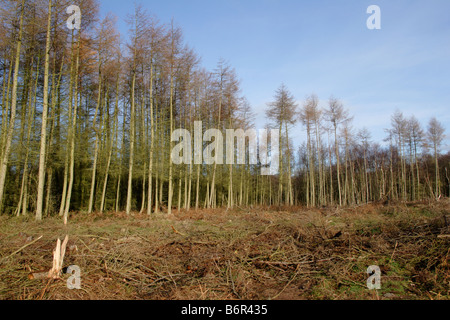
(87, 118)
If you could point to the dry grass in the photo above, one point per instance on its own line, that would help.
(254, 254)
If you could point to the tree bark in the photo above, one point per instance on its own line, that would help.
(10, 130)
(42, 160)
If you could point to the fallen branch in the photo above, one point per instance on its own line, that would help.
(286, 263)
(94, 236)
(45, 289)
(395, 248)
(17, 251)
(177, 232)
(287, 285)
(38, 275)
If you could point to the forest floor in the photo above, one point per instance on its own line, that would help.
(250, 254)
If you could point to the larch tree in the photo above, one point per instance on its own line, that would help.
(138, 27)
(310, 116)
(10, 128)
(337, 115)
(416, 137)
(42, 164)
(435, 134)
(364, 140)
(282, 113)
(106, 41)
(399, 124)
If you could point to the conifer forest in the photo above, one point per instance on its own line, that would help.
(87, 152)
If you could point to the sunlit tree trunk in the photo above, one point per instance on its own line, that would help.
(72, 131)
(12, 121)
(42, 164)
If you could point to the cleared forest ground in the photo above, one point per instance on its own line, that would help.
(253, 254)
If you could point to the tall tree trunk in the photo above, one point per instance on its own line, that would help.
(280, 180)
(10, 130)
(41, 176)
(132, 138)
(438, 183)
(72, 131)
(172, 62)
(197, 186)
(66, 160)
(289, 191)
(5, 105)
(97, 138)
(331, 171)
(121, 160)
(152, 144)
(22, 205)
(319, 161)
(143, 149)
(338, 164)
(110, 145)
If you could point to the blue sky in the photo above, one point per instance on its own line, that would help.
(323, 47)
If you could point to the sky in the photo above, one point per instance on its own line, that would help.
(323, 47)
